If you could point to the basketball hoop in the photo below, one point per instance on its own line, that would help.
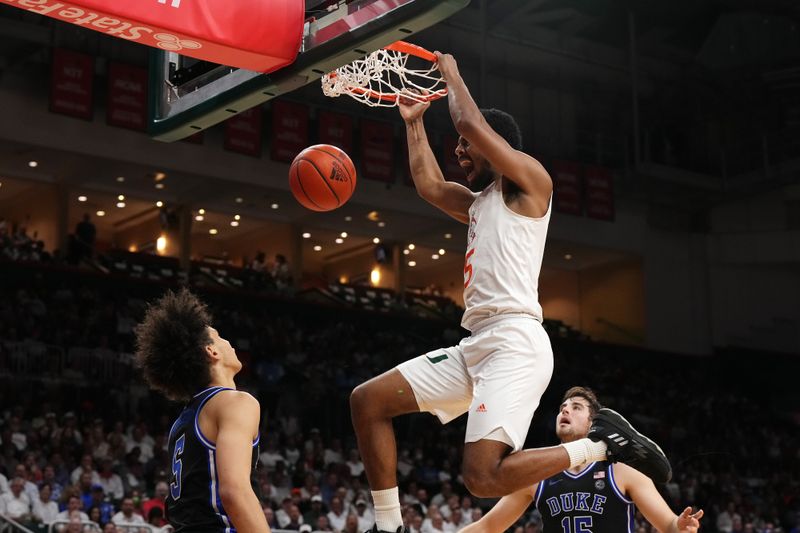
(380, 78)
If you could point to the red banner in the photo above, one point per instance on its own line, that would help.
(219, 31)
(289, 130)
(71, 84)
(567, 187)
(450, 168)
(599, 192)
(377, 150)
(127, 96)
(336, 129)
(243, 132)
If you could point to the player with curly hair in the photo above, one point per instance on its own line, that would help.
(214, 441)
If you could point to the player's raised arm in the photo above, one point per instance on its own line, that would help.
(237, 415)
(504, 513)
(652, 505)
(452, 198)
(525, 171)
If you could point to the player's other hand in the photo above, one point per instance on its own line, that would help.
(411, 109)
(447, 65)
(688, 522)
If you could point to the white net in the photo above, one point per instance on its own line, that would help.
(381, 77)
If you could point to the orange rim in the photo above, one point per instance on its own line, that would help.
(404, 48)
(412, 50)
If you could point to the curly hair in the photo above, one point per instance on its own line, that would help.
(505, 126)
(587, 394)
(171, 345)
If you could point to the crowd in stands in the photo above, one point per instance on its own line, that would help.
(17, 245)
(729, 422)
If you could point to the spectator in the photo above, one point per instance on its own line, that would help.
(354, 463)
(110, 482)
(295, 518)
(87, 465)
(337, 516)
(126, 515)
(365, 516)
(44, 509)
(99, 502)
(85, 234)
(315, 510)
(158, 499)
(351, 524)
(281, 272)
(74, 507)
(16, 503)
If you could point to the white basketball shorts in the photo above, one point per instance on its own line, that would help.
(497, 375)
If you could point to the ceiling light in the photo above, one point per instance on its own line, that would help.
(121, 197)
(274, 206)
(239, 199)
(435, 256)
(406, 252)
(441, 251)
(81, 198)
(199, 218)
(306, 235)
(317, 248)
(101, 213)
(343, 235)
(33, 164)
(237, 217)
(213, 231)
(201, 211)
(381, 224)
(133, 248)
(158, 176)
(348, 218)
(448, 235)
(120, 204)
(120, 178)
(234, 223)
(159, 204)
(161, 243)
(411, 246)
(376, 240)
(373, 216)
(159, 185)
(375, 276)
(568, 257)
(412, 263)
(339, 240)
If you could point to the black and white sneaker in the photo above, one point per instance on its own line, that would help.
(374, 529)
(628, 446)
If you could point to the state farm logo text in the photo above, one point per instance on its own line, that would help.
(109, 24)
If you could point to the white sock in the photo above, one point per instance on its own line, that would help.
(584, 451)
(387, 509)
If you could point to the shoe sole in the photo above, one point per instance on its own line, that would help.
(613, 419)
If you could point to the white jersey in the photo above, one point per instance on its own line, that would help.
(503, 260)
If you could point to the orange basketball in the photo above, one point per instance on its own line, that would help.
(322, 177)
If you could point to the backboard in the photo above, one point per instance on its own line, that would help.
(188, 95)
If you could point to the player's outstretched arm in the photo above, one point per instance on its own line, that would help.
(237, 415)
(652, 505)
(452, 198)
(525, 171)
(504, 513)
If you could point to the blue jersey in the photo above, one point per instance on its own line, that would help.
(193, 503)
(586, 502)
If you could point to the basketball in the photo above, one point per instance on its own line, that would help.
(322, 177)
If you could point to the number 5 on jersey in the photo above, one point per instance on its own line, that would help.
(177, 468)
(468, 272)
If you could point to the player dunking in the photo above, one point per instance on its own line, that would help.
(597, 497)
(213, 444)
(497, 374)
